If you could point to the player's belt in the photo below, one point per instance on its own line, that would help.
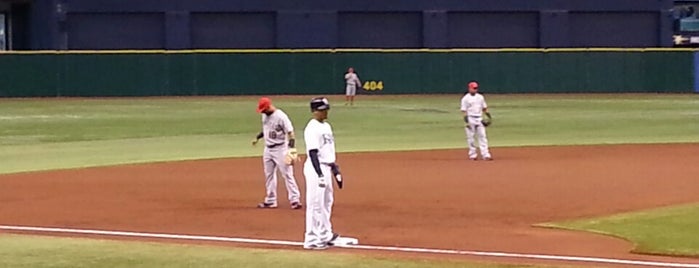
(274, 145)
(475, 116)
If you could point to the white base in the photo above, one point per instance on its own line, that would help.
(344, 241)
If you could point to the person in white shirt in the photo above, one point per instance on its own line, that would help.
(474, 107)
(319, 171)
(351, 84)
(280, 151)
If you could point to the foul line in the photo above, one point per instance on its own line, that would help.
(364, 247)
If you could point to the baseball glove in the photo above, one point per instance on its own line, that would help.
(291, 156)
(487, 120)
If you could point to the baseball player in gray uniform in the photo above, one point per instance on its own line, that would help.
(319, 170)
(279, 154)
(351, 82)
(474, 108)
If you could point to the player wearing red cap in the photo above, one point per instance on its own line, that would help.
(474, 107)
(280, 153)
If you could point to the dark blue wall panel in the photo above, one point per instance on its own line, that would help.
(233, 30)
(435, 29)
(53, 24)
(554, 28)
(116, 31)
(487, 30)
(380, 30)
(366, 5)
(614, 29)
(306, 29)
(178, 34)
(42, 24)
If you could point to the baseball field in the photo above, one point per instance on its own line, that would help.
(578, 181)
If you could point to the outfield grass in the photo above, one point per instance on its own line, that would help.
(667, 231)
(39, 134)
(29, 251)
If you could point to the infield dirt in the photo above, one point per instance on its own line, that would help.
(432, 199)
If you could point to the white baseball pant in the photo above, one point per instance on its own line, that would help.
(319, 203)
(350, 90)
(475, 128)
(273, 159)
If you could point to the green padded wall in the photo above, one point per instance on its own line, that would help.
(166, 73)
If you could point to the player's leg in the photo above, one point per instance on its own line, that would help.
(329, 200)
(270, 169)
(353, 92)
(348, 94)
(287, 172)
(472, 154)
(483, 143)
(312, 238)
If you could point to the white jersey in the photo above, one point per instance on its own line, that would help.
(276, 127)
(352, 79)
(473, 105)
(319, 135)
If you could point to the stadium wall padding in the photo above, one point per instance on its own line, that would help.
(184, 73)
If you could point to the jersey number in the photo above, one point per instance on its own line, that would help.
(272, 135)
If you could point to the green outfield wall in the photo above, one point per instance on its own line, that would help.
(245, 72)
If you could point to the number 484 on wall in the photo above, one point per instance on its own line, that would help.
(373, 85)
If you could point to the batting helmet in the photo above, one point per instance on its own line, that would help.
(320, 104)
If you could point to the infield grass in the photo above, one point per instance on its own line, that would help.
(40, 134)
(30, 251)
(667, 231)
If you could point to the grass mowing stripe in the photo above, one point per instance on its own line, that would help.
(364, 247)
(64, 133)
(31, 251)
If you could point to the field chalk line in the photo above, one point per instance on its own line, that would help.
(364, 247)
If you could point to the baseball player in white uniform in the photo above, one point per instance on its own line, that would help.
(319, 170)
(351, 82)
(474, 107)
(279, 154)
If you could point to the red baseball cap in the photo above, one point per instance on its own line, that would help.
(263, 104)
(473, 85)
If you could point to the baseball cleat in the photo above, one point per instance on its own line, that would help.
(296, 205)
(266, 205)
(316, 247)
(331, 242)
(473, 159)
(488, 159)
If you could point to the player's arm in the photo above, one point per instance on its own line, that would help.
(257, 138)
(312, 144)
(336, 174)
(292, 154)
(292, 139)
(313, 154)
(464, 110)
(289, 128)
(485, 109)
